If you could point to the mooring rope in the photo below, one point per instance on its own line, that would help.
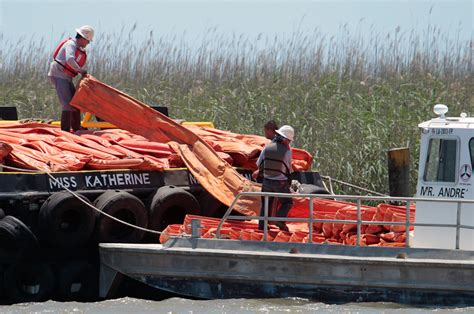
(350, 185)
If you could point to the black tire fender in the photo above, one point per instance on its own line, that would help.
(65, 220)
(169, 206)
(210, 206)
(2, 289)
(123, 206)
(16, 239)
(28, 282)
(77, 281)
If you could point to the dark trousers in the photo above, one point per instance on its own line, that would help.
(70, 116)
(285, 204)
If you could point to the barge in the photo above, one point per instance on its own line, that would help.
(61, 194)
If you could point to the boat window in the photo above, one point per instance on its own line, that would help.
(471, 150)
(441, 160)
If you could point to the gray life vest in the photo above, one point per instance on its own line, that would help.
(273, 164)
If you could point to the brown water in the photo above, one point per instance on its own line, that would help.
(179, 305)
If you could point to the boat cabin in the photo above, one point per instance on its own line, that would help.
(445, 172)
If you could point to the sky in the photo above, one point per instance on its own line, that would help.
(54, 19)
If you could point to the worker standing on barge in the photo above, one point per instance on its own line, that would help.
(275, 163)
(69, 59)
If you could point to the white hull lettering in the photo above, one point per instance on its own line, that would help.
(127, 179)
(146, 178)
(62, 182)
(138, 178)
(97, 182)
(117, 180)
(120, 179)
(88, 181)
(101, 180)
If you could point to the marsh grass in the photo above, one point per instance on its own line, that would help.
(349, 97)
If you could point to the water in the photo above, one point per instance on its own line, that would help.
(179, 305)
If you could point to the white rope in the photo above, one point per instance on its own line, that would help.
(351, 185)
(88, 204)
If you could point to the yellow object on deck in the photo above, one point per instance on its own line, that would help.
(88, 123)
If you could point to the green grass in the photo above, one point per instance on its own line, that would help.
(349, 98)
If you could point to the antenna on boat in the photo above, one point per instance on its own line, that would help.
(440, 110)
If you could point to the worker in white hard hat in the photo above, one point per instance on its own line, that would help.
(69, 59)
(275, 163)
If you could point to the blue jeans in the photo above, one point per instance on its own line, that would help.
(276, 186)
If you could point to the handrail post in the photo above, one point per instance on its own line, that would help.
(310, 239)
(195, 228)
(265, 218)
(359, 227)
(223, 219)
(407, 225)
(458, 222)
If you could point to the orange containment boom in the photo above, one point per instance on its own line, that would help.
(213, 173)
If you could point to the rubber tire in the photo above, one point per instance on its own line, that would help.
(313, 189)
(16, 239)
(170, 205)
(65, 221)
(210, 206)
(2, 213)
(77, 281)
(33, 274)
(123, 206)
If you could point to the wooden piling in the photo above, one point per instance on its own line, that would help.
(399, 171)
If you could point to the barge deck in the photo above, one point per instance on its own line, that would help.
(217, 268)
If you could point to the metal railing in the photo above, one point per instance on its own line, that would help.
(359, 222)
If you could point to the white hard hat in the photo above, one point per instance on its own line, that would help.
(86, 31)
(287, 132)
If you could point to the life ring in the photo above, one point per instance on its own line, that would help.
(77, 281)
(28, 282)
(66, 221)
(125, 207)
(16, 239)
(169, 206)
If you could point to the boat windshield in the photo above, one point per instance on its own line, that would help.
(441, 160)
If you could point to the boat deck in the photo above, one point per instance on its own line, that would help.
(210, 268)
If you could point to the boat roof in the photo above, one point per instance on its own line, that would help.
(449, 122)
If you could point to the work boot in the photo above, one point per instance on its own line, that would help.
(65, 121)
(282, 225)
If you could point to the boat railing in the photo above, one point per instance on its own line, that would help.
(359, 222)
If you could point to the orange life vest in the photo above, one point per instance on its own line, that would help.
(80, 57)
